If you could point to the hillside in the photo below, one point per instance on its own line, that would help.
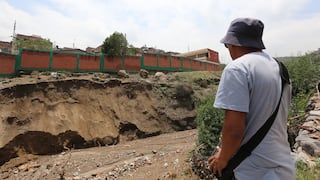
(53, 122)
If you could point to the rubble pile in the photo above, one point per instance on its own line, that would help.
(306, 147)
(307, 143)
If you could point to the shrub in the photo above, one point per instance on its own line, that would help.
(304, 73)
(209, 124)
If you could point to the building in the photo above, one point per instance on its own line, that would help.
(92, 50)
(27, 37)
(5, 47)
(202, 55)
(72, 50)
(24, 38)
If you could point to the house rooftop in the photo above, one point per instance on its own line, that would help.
(192, 53)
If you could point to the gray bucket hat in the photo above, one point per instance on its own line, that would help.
(246, 32)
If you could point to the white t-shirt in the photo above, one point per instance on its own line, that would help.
(252, 84)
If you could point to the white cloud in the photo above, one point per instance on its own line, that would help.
(169, 25)
(294, 36)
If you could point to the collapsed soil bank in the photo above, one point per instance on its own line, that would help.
(48, 117)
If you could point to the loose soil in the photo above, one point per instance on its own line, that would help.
(96, 126)
(166, 156)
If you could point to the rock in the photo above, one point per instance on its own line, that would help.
(165, 165)
(143, 73)
(102, 76)
(307, 145)
(105, 141)
(160, 76)
(312, 118)
(300, 155)
(199, 164)
(123, 74)
(176, 162)
(35, 73)
(148, 161)
(312, 148)
(28, 166)
(314, 113)
(54, 74)
(23, 167)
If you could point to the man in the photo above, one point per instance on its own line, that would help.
(249, 92)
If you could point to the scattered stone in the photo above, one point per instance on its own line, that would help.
(28, 166)
(123, 74)
(148, 161)
(307, 146)
(57, 75)
(176, 162)
(100, 77)
(34, 74)
(160, 76)
(199, 164)
(128, 167)
(300, 155)
(165, 165)
(314, 113)
(144, 73)
(76, 178)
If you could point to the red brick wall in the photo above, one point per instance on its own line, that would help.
(112, 63)
(202, 66)
(7, 64)
(187, 63)
(213, 67)
(195, 65)
(132, 63)
(60, 61)
(35, 59)
(164, 61)
(64, 61)
(213, 56)
(175, 62)
(89, 63)
(150, 60)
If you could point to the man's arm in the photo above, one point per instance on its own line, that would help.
(232, 136)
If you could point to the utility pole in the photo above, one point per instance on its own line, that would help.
(13, 42)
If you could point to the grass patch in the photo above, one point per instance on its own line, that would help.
(305, 172)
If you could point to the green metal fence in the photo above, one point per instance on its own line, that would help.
(36, 60)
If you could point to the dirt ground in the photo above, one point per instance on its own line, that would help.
(93, 126)
(165, 156)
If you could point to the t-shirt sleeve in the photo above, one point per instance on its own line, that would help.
(233, 91)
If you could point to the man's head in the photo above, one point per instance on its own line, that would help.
(246, 34)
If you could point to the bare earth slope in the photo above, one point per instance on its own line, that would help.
(61, 114)
(161, 157)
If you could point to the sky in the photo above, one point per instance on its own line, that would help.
(292, 27)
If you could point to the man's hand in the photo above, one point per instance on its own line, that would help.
(232, 135)
(216, 164)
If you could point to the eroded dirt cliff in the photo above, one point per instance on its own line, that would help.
(44, 113)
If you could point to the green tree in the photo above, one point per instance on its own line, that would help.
(36, 44)
(115, 45)
(304, 73)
